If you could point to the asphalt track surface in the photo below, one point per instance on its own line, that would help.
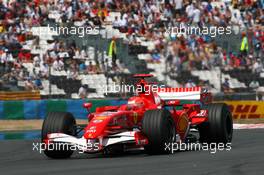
(245, 157)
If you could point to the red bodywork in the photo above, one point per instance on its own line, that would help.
(110, 120)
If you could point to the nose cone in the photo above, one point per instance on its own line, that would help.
(96, 127)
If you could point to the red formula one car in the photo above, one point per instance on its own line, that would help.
(149, 121)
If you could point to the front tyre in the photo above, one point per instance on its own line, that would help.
(160, 130)
(58, 122)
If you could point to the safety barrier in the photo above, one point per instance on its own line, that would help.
(20, 135)
(37, 109)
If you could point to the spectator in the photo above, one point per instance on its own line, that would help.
(36, 61)
(112, 51)
(82, 67)
(58, 65)
(22, 74)
(29, 85)
(72, 74)
(254, 84)
(90, 69)
(33, 73)
(196, 14)
(226, 86)
(178, 6)
(83, 91)
(77, 54)
(38, 84)
(3, 57)
(156, 57)
(44, 70)
(190, 83)
(2, 28)
(244, 45)
(257, 66)
(24, 56)
(116, 23)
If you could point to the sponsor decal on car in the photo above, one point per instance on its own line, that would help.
(135, 117)
(97, 121)
(91, 129)
(101, 117)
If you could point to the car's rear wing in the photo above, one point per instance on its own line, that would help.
(189, 93)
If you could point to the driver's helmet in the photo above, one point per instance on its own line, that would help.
(137, 102)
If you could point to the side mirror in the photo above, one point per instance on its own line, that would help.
(87, 105)
(172, 103)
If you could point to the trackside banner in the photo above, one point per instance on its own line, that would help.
(37, 109)
(246, 109)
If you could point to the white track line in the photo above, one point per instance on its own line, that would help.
(241, 126)
(248, 126)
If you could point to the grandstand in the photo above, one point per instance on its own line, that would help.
(36, 58)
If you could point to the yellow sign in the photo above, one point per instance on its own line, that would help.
(246, 109)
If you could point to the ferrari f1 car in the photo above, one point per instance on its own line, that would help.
(148, 121)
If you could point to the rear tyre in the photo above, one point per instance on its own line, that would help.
(219, 128)
(159, 128)
(58, 122)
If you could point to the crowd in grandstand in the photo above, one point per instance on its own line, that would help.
(151, 19)
(16, 20)
(148, 20)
